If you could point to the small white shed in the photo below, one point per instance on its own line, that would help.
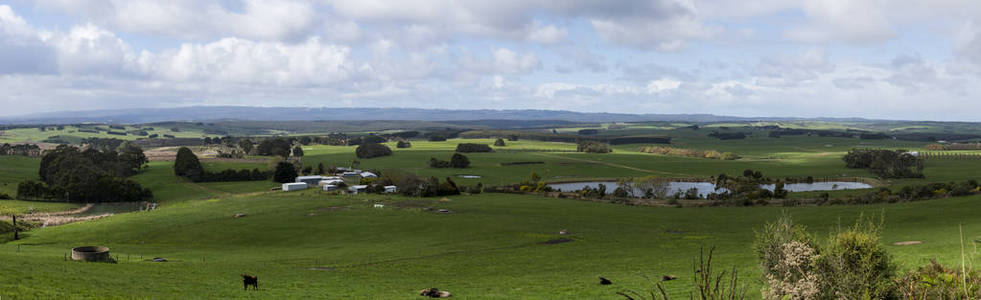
(355, 189)
(294, 186)
(330, 182)
(391, 189)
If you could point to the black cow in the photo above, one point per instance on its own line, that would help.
(248, 280)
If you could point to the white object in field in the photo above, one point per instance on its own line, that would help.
(379, 205)
(294, 186)
(391, 189)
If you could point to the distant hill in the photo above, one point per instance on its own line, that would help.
(249, 113)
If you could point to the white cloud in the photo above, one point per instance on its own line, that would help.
(547, 34)
(844, 20)
(90, 50)
(241, 61)
(662, 85)
(256, 19)
(21, 48)
(967, 42)
(731, 57)
(509, 62)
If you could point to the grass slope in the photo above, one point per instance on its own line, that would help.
(488, 248)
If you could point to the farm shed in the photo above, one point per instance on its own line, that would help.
(330, 182)
(355, 189)
(391, 189)
(310, 180)
(330, 187)
(294, 186)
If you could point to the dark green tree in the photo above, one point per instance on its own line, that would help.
(499, 143)
(372, 150)
(459, 161)
(285, 172)
(246, 145)
(187, 164)
(277, 146)
(131, 159)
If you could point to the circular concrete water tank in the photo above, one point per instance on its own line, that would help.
(91, 253)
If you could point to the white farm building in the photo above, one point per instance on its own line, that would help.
(294, 186)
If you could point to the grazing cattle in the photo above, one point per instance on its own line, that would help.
(605, 281)
(668, 278)
(248, 280)
(435, 293)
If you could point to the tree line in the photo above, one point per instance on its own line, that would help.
(885, 163)
(73, 175)
(187, 165)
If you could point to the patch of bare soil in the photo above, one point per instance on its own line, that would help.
(907, 243)
(59, 218)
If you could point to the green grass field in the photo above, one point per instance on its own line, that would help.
(488, 248)
(71, 133)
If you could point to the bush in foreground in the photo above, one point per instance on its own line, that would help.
(851, 265)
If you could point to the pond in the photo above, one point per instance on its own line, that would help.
(705, 188)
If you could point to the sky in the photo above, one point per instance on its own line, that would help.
(899, 59)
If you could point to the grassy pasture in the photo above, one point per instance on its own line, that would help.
(36, 135)
(14, 169)
(488, 248)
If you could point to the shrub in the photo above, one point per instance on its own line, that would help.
(438, 163)
(854, 265)
(459, 161)
(728, 135)
(187, 164)
(934, 281)
(786, 254)
(285, 172)
(499, 143)
(713, 154)
(471, 147)
(588, 131)
(593, 147)
(274, 147)
(372, 150)
(372, 139)
(437, 138)
(885, 163)
(403, 144)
